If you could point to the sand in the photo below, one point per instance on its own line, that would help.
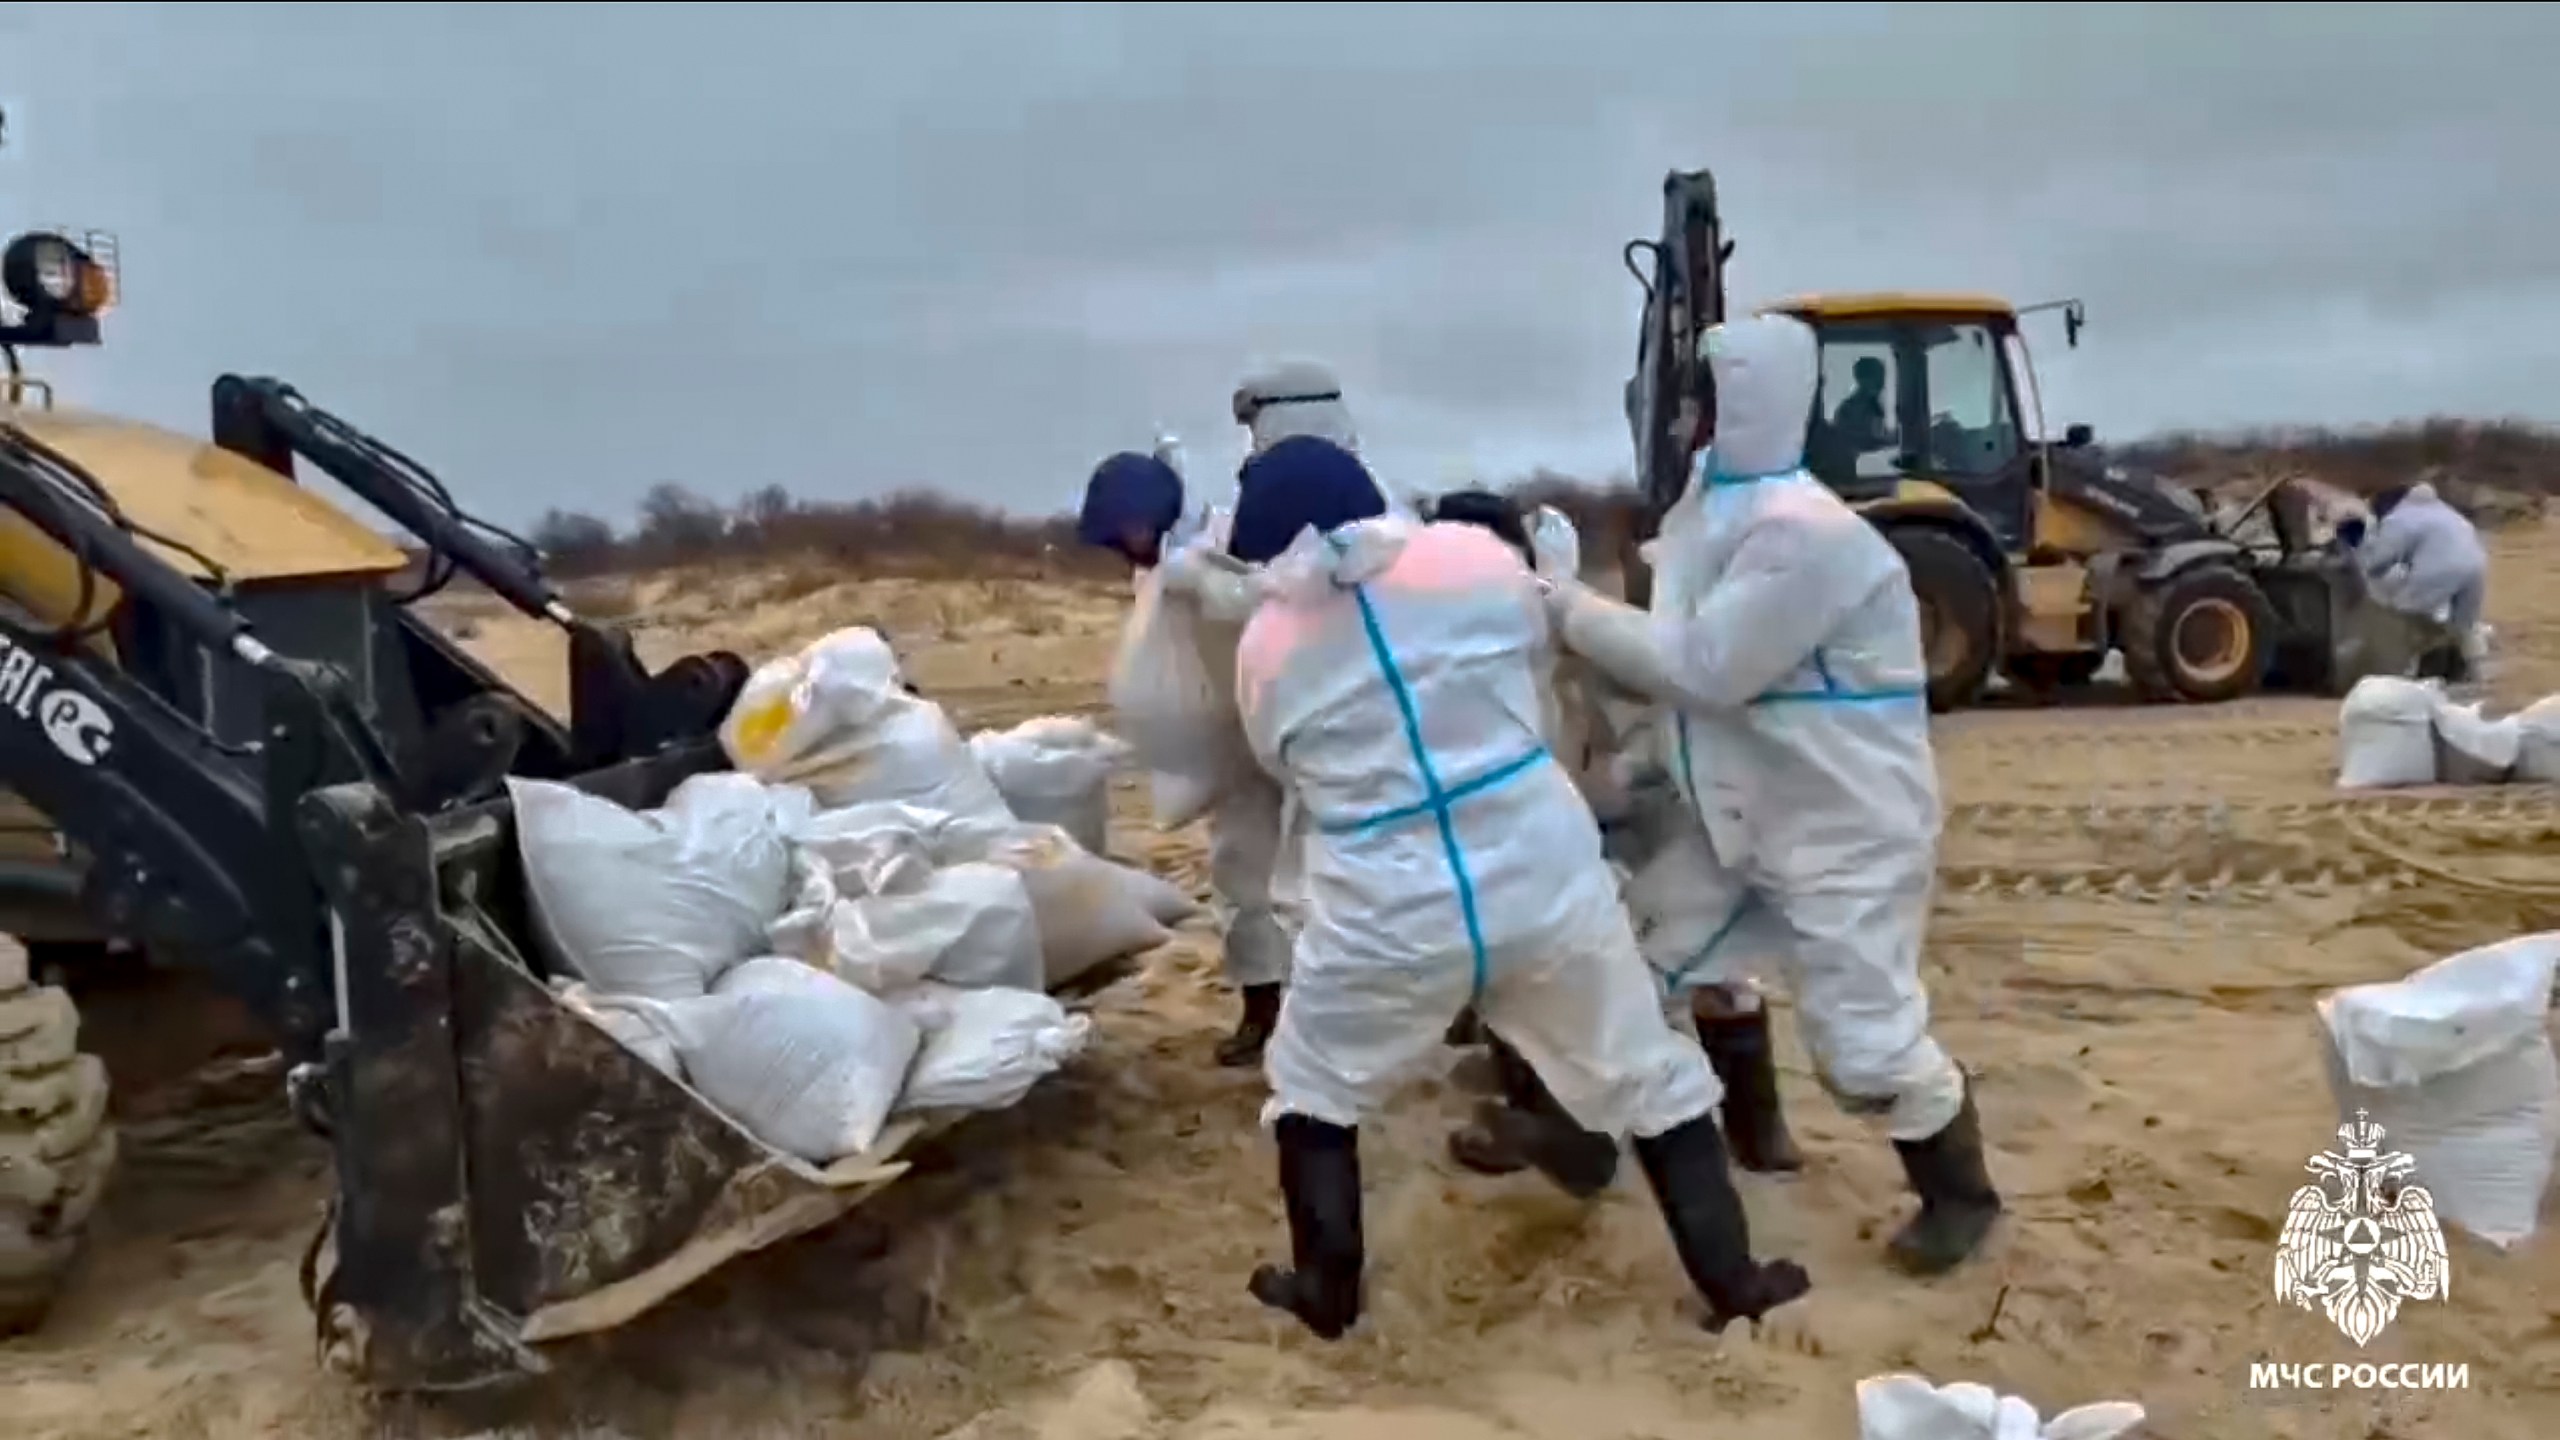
(2139, 907)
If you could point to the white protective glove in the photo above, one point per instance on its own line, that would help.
(1225, 589)
(1556, 545)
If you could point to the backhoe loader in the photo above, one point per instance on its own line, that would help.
(251, 757)
(2030, 557)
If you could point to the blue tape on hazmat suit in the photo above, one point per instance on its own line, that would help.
(1391, 678)
(1784, 644)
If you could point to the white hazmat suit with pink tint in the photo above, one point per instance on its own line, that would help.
(1393, 676)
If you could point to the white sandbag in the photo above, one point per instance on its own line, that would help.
(1173, 699)
(640, 1025)
(651, 904)
(984, 1049)
(964, 924)
(2455, 1064)
(2386, 733)
(1055, 770)
(1908, 1407)
(837, 720)
(2538, 741)
(1090, 910)
(2471, 750)
(806, 1062)
(796, 705)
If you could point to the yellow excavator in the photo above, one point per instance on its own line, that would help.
(238, 748)
(2033, 557)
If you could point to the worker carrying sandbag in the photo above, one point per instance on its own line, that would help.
(2424, 560)
(1181, 652)
(1390, 679)
(1784, 643)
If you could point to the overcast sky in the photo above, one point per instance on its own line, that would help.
(562, 252)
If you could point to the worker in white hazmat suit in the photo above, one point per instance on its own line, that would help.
(1391, 678)
(1784, 644)
(2424, 559)
(1248, 828)
(1650, 830)
(1134, 505)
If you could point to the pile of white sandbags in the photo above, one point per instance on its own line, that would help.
(2394, 732)
(850, 926)
(2455, 1064)
(1908, 1407)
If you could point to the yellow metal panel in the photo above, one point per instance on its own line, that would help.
(252, 522)
(1888, 302)
(2063, 528)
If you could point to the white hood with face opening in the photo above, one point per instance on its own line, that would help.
(1766, 369)
(1280, 403)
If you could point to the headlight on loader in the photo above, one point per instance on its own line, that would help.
(49, 275)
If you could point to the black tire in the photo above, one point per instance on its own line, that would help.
(1960, 612)
(56, 1148)
(2169, 659)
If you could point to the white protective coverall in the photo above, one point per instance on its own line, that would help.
(2425, 559)
(1252, 867)
(1392, 676)
(1247, 858)
(1783, 641)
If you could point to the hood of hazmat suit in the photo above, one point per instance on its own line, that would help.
(2423, 554)
(1392, 678)
(1294, 397)
(1784, 643)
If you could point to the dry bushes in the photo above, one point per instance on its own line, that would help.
(911, 532)
(2500, 470)
(2497, 469)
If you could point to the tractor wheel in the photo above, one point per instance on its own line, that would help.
(1960, 610)
(2200, 636)
(56, 1149)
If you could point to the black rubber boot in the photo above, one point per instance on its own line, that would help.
(1529, 1129)
(1754, 1125)
(1958, 1205)
(1686, 1167)
(1253, 1030)
(1320, 1180)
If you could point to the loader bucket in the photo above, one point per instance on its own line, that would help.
(2333, 632)
(508, 1173)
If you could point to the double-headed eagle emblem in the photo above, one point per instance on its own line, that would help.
(2358, 1251)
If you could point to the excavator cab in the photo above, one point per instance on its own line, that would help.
(2031, 556)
